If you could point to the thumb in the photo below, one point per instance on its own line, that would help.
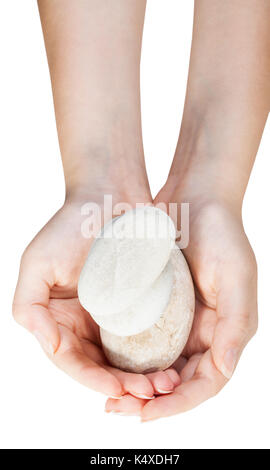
(31, 299)
(237, 318)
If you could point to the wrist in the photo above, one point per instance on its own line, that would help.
(91, 187)
(103, 171)
(208, 164)
(203, 186)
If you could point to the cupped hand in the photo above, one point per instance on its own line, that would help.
(224, 271)
(46, 303)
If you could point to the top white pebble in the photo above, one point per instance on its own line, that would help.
(126, 258)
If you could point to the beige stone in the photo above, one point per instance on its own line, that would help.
(160, 345)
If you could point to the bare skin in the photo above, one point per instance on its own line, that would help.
(93, 52)
(227, 104)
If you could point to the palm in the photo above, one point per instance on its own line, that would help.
(204, 271)
(78, 328)
(204, 254)
(218, 249)
(57, 255)
(224, 273)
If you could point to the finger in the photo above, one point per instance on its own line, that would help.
(237, 319)
(202, 330)
(189, 370)
(71, 358)
(137, 385)
(93, 351)
(30, 305)
(161, 382)
(128, 405)
(174, 376)
(179, 364)
(206, 382)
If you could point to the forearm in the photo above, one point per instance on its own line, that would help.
(93, 51)
(228, 98)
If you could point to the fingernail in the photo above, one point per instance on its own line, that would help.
(46, 345)
(116, 398)
(229, 362)
(140, 395)
(147, 420)
(159, 390)
(119, 413)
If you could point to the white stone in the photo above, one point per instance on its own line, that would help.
(123, 263)
(145, 311)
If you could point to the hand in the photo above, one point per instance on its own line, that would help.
(224, 272)
(46, 303)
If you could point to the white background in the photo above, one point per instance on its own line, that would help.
(41, 407)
